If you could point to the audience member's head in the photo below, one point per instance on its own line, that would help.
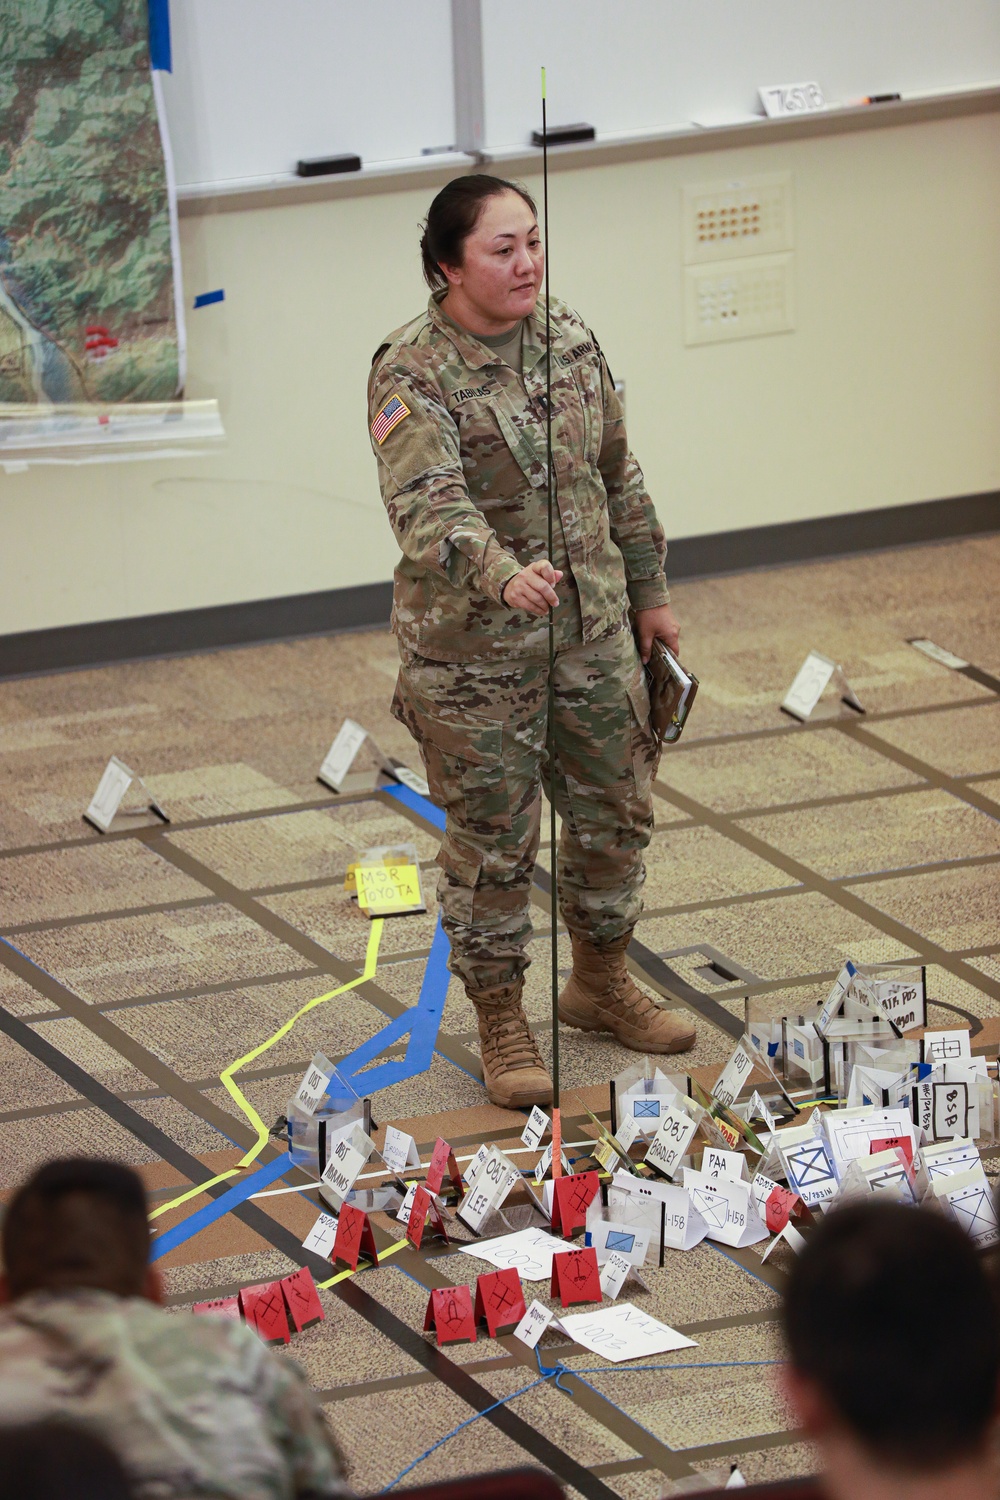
(893, 1341)
(78, 1223)
(48, 1459)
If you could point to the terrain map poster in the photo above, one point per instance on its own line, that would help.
(89, 274)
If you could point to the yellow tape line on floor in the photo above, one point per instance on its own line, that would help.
(226, 1076)
(382, 1255)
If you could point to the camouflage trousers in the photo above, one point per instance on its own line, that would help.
(481, 728)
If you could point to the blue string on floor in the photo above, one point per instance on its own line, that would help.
(555, 1372)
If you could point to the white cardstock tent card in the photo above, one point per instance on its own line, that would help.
(399, 1150)
(806, 1163)
(622, 1332)
(610, 1237)
(614, 1274)
(718, 1163)
(111, 792)
(727, 1208)
(312, 1090)
(789, 1236)
(970, 1202)
(343, 753)
(810, 683)
(663, 1209)
(537, 1124)
(321, 1236)
(533, 1324)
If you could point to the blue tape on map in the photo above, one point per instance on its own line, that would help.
(205, 299)
(219, 1207)
(422, 805)
(159, 35)
(422, 1021)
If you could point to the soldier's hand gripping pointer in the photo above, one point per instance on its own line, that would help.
(532, 589)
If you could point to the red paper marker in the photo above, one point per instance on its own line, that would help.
(220, 1307)
(571, 1197)
(782, 1204)
(449, 1313)
(575, 1277)
(443, 1160)
(499, 1301)
(264, 1310)
(302, 1299)
(894, 1143)
(354, 1238)
(422, 1205)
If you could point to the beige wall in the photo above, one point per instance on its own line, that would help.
(886, 392)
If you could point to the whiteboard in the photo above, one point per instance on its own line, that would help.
(646, 65)
(257, 84)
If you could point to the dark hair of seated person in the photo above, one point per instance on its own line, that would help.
(890, 1313)
(46, 1459)
(77, 1222)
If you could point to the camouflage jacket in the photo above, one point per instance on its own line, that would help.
(194, 1406)
(460, 442)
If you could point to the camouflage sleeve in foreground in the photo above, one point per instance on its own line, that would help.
(315, 1466)
(634, 526)
(423, 483)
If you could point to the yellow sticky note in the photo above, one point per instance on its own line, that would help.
(388, 887)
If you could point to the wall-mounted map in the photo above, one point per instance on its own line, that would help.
(89, 273)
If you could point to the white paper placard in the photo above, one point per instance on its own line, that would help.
(347, 1156)
(807, 1165)
(808, 685)
(781, 99)
(403, 1213)
(653, 1206)
(475, 1166)
(727, 1208)
(789, 1236)
(671, 1140)
(757, 1109)
(622, 1332)
(399, 1151)
(946, 1046)
(609, 1237)
(628, 1129)
(533, 1324)
(761, 1189)
(411, 779)
(939, 654)
(733, 1076)
(312, 1090)
(342, 753)
(111, 789)
(494, 1180)
(718, 1163)
(971, 1203)
(850, 1132)
(322, 1235)
(529, 1252)
(538, 1123)
(614, 1274)
(545, 1164)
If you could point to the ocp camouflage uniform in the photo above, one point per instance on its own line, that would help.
(460, 440)
(194, 1406)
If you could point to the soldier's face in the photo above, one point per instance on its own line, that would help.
(502, 264)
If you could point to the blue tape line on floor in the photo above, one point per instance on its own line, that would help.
(219, 1207)
(205, 299)
(422, 805)
(159, 35)
(422, 1021)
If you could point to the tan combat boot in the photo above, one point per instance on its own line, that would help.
(601, 995)
(513, 1070)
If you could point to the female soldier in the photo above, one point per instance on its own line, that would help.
(458, 424)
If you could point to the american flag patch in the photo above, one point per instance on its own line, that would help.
(389, 417)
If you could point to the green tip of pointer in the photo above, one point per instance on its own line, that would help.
(543, 83)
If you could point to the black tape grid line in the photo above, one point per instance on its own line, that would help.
(814, 726)
(144, 831)
(821, 885)
(379, 999)
(405, 1338)
(928, 773)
